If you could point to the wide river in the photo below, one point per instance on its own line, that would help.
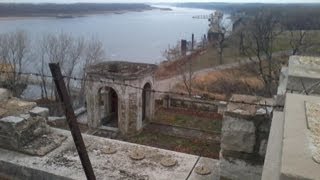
(132, 36)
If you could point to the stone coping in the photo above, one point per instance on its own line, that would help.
(64, 161)
(304, 66)
(296, 161)
(246, 109)
(122, 70)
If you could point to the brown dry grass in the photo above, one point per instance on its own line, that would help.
(221, 84)
(168, 69)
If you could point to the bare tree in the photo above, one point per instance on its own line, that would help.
(63, 49)
(93, 53)
(238, 33)
(172, 53)
(220, 44)
(219, 31)
(260, 36)
(74, 58)
(43, 68)
(14, 54)
(297, 40)
(73, 54)
(187, 73)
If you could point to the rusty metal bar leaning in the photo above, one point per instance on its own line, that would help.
(71, 119)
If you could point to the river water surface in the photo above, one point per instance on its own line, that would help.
(132, 36)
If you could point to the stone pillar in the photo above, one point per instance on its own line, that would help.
(244, 136)
(183, 47)
(192, 42)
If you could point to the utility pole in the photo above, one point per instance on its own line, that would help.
(71, 119)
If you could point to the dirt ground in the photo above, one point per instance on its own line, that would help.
(202, 120)
(159, 140)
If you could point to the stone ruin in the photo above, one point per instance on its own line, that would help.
(244, 137)
(23, 126)
(119, 96)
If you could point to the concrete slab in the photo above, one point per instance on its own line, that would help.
(304, 74)
(211, 164)
(64, 163)
(296, 162)
(39, 111)
(12, 120)
(304, 66)
(313, 118)
(272, 162)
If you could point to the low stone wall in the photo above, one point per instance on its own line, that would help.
(244, 137)
(191, 103)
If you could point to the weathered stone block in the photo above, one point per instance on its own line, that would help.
(252, 108)
(18, 131)
(238, 135)
(5, 94)
(9, 123)
(39, 111)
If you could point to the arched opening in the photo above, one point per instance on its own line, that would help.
(108, 103)
(146, 102)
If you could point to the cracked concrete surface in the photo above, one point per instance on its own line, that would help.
(64, 163)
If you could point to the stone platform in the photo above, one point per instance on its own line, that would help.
(64, 163)
(297, 150)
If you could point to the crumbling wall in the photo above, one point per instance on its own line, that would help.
(23, 126)
(244, 137)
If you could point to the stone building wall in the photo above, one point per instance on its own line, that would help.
(129, 103)
(244, 137)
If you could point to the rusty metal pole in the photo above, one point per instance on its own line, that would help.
(71, 119)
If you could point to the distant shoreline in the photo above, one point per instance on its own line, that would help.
(9, 11)
(76, 15)
(65, 16)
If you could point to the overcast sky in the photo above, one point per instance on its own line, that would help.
(156, 1)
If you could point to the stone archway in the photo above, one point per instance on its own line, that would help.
(146, 102)
(108, 107)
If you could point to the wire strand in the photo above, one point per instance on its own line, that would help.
(140, 88)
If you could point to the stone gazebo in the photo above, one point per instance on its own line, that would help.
(113, 100)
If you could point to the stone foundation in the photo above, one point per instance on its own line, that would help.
(244, 137)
